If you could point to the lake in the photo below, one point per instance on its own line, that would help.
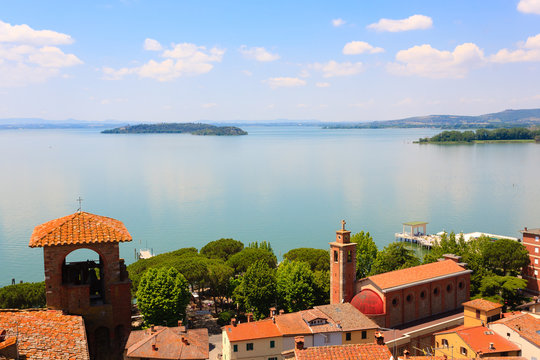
(289, 185)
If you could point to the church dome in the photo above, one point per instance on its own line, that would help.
(368, 302)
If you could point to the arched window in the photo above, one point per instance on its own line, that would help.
(84, 267)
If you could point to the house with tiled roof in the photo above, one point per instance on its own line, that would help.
(472, 342)
(167, 343)
(42, 334)
(481, 312)
(521, 329)
(341, 352)
(98, 290)
(321, 326)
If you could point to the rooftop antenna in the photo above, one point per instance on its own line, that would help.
(80, 200)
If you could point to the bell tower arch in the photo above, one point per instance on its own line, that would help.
(342, 267)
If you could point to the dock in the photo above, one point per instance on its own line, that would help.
(417, 234)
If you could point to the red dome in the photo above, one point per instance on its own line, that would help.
(368, 302)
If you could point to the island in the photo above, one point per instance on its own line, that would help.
(177, 128)
(518, 134)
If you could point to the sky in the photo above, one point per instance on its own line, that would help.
(185, 61)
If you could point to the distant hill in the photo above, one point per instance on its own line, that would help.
(503, 119)
(177, 128)
(38, 123)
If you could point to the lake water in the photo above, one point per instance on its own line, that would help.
(287, 185)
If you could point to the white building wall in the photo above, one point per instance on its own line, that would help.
(528, 350)
(327, 339)
(288, 342)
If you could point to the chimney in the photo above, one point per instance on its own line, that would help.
(273, 311)
(281, 312)
(406, 354)
(152, 330)
(299, 342)
(379, 338)
(455, 258)
(233, 322)
(525, 228)
(180, 322)
(249, 317)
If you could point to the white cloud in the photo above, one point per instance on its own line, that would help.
(247, 73)
(152, 45)
(529, 6)
(322, 84)
(180, 60)
(209, 105)
(360, 47)
(26, 35)
(304, 73)
(338, 22)
(284, 82)
(414, 22)
(333, 68)
(28, 55)
(428, 62)
(258, 53)
(529, 51)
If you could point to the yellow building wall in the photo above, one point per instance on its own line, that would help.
(356, 337)
(454, 346)
(470, 318)
(261, 349)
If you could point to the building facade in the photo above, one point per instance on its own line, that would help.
(531, 241)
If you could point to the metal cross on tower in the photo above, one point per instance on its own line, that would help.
(343, 224)
(80, 200)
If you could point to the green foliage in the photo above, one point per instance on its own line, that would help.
(163, 296)
(224, 318)
(195, 129)
(179, 259)
(503, 289)
(222, 249)
(516, 133)
(257, 290)
(242, 260)
(394, 257)
(447, 245)
(295, 286)
(506, 257)
(265, 245)
(317, 259)
(218, 279)
(366, 252)
(321, 286)
(23, 296)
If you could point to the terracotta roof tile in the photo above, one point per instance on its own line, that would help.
(168, 343)
(482, 304)
(344, 352)
(348, 317)
(252, 330)
(292, 324)
(479, 338)
(527, 326)
(79, 228)
(46, 334)
(415, 274)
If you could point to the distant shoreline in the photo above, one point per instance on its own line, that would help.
(178, 128)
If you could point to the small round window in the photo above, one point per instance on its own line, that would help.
(461, 285)
(436, 291)
(395, 301)
(409, 298)
(449, 287)
(422, 294)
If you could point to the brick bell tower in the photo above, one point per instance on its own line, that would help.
(342, 267)
(99, 291)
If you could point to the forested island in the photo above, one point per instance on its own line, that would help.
(483, 135)
(177, 128)
(503, 119)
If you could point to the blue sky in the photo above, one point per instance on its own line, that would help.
(153, 61)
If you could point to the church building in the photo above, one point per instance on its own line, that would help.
(99, 291)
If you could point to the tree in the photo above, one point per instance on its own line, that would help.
(265, 245)
(23, 296)
(222, 249)
(506, 290)
(318, 259)
(506, 257)
(447, 245)
(366, 252)
(321, 287)
(242, 260)
(394, 257)
(219, 275)
(163, 296)
(295, 286)
(258, 288)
